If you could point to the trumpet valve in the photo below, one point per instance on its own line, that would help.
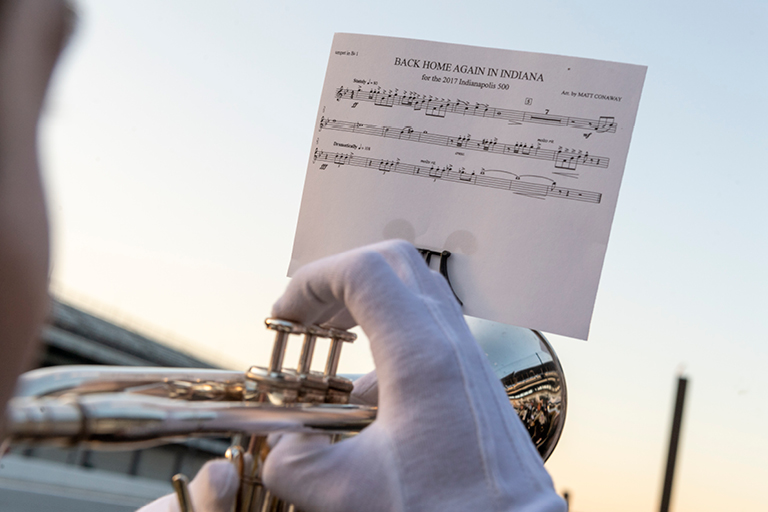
(338, 337)
(277, 384)
(312, 386)
(278, 388)
(308, 349)
(339, 390)
(283, 329)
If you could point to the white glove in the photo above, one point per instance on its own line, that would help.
(212, 490)
(446, 436)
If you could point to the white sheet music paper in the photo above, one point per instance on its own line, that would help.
(511, 161)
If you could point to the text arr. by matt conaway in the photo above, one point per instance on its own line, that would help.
(592, 95)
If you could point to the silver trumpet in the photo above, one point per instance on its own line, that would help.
(113, 408)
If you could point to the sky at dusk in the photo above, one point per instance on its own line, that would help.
(175, 142)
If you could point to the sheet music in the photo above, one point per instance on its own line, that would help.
(511, 161)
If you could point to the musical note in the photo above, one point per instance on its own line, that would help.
(528, 185)
(606, 124)
(465, 177)
(340, 158)
(438, 107)
(563, 158)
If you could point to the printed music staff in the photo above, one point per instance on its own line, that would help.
(435, 107)
(563, 158)
(531, 186)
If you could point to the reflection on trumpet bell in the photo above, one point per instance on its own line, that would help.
(531, 374)
(538, 400)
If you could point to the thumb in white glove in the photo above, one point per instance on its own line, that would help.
(213, 489)
(445, 437)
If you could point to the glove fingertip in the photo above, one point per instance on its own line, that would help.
(215, 486)
(223, 475)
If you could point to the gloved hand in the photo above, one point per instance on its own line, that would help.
(446, 436)
(212, 490)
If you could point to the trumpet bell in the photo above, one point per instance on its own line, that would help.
(531, 374)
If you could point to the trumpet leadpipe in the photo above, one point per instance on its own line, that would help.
(117, 420)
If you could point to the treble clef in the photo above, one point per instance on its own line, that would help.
(340, 93)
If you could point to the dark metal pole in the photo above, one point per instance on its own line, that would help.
(666, 495)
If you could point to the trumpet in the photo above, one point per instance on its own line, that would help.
(113, 408)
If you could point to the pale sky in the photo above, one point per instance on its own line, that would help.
(175, 143)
